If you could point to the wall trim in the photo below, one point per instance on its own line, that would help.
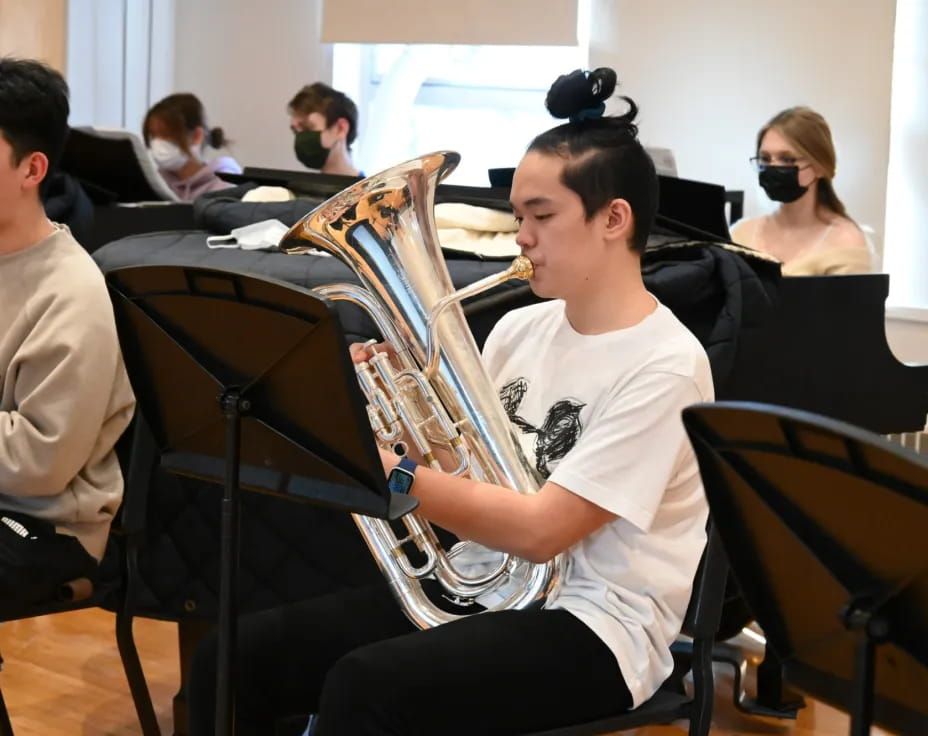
(907, 314)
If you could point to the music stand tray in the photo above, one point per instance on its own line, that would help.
(825, 526)
(247, 382)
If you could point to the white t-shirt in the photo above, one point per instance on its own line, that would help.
(600, 415)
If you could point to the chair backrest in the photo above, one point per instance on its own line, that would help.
(116, 163)
(708, 597)
(816, 514)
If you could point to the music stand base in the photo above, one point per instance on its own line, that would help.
(770, 700)
(873, 630)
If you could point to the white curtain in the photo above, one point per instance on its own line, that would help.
(119, 60)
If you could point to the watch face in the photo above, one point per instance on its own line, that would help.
(400, 481)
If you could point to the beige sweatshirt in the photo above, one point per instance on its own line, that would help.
(65, 397)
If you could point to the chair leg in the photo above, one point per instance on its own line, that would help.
(703, 688)
(133, 520)
(6, 728)
(132, 666)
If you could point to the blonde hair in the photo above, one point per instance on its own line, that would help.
(809, 134)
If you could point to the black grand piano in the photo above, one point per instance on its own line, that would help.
(823, 347)
(824, 350)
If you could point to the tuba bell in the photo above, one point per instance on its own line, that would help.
(434, 391)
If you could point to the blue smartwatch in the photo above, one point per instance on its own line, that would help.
(402, 476)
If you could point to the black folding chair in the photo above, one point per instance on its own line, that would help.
(670, 702)
(109, 591)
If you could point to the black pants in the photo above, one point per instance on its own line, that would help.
(35, 561)
(354, 659)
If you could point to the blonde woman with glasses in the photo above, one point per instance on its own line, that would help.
(810, 232)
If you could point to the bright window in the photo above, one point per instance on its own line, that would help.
(905, 253)
(120, 60)
(485, 102)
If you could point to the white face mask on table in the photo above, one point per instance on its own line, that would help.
(257, 235)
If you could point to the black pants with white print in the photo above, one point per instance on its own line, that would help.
(36, 562)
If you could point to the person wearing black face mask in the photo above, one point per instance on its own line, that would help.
(810, 232)
(781, 182)
(324, 122)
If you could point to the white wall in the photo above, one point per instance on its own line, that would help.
(35, 30)
(908, 337)
(245, 60)
(708, 74)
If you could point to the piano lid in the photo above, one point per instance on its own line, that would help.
(824, 350)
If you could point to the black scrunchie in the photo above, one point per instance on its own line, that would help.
(590, 113)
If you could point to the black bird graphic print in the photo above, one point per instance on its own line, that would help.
(557, 434)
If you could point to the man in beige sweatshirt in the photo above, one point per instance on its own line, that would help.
(65, 398)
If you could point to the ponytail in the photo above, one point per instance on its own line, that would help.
(829, 199)
(216, 138)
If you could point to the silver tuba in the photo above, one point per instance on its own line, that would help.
(434, 391)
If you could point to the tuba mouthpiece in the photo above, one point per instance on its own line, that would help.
(522, 268)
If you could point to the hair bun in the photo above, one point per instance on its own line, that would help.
(573, 93)
(217, 138)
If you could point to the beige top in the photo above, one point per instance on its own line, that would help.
(822, 258)
(830, 262)
(65, 398)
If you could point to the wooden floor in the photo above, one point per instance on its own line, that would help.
(62, 677)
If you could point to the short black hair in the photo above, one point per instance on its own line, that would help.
(604, 159)
(328, 102)
(34, 108)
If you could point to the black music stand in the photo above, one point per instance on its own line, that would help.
(247, 382)
(825, 527)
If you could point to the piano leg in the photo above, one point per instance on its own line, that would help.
(772, 692)
(189, 634)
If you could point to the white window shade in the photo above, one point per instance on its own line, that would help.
(905, 253)
(120, 60)
(472, 22)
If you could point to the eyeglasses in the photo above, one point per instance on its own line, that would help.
(759, 163)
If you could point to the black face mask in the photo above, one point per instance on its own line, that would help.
(307, 145)
(781, 183)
